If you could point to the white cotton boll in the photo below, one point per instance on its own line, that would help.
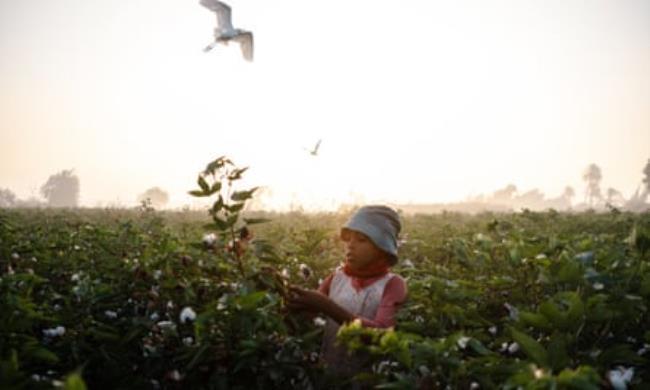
(187, 314)
(54, 332)
(319, 321)
(620, 377)
(15, 256)
(595, 353)
(305, 271)
(598, 286)
(285, 273)
(75, 277)
(154, 316)
(474, 386)
(174, 375)
(462, 342)
(513, 348)
(157, 274)
(382, 366)
(209, 240)
(110, 314)
(492, 330)
(513, 312)
(166, 325)
(408, 264)
(188, 341)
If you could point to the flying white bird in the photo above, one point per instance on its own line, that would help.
(314, 151)
(224, 32)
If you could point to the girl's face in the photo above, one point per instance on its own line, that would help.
(360, 251)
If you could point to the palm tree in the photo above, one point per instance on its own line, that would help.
(62, 189)
(592, 176)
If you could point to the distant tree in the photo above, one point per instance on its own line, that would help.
(7, 198)
(568, 193)
(592, 176)
(533, 199)
(31, 202)
(614, 197)
(156, 196)
(646, 178)
(505, 194)
(61, 189)
(562, 202)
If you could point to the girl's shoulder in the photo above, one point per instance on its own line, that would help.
(396, 287)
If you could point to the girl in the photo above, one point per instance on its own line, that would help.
(362, 288)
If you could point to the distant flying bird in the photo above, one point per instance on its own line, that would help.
(224, 32)
(314, 151)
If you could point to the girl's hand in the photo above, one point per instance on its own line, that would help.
(306, 300)
(310, 300)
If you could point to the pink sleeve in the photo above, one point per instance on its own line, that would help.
(324, 287)
(394, 296)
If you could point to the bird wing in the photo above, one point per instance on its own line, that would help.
(224, 19)
(245, 40)
(317, 146)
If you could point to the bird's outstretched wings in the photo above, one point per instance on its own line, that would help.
(224, 19)
(245, 40)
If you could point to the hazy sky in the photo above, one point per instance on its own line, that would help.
(420, 101)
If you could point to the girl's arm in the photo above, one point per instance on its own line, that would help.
(394, 296)
(311, 300)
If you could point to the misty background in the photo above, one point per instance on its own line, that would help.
(426, 104)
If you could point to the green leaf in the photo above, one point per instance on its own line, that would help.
(234, 208)
(198, 193)
(203, 184)
(238, 196)
(478, 347)
(565, 310)
(570, 272)
(236, 174)
(74, 381)
(557, 351)
(44, 355)
(216, 187)
(218, 205)
(251, 300)
(213, 166)
(620, 354)
(220, 223)
(232, 220)
(534, 319)
(198, 357)
(531, 347)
